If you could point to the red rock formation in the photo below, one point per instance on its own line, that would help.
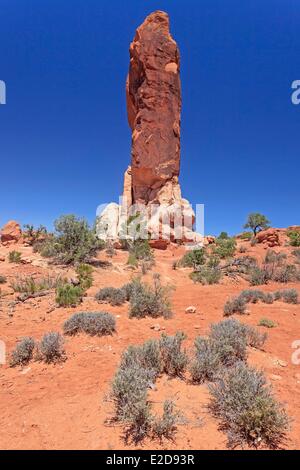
(154, 104)
(269, 237)
(11, 232)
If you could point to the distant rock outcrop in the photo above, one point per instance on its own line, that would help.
(11, 232)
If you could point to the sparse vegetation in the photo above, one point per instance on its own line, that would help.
(207, 275)
(230, 341)
(267, 323)
(193, 258)
(14, 257)
(225, 247)
(257, 222)
(112, 295)
(73, 242)
(247, 408)
(139, 368)
(30, 285)
(23, 353)
(294, 236)
(290, 296)
(32, 235)
(235, 305)
(246, 235)
(68, 295)
(3, 279)
(174, 360)
(92, 323)
(206, 364)
(51, 348)
(85, 276)
(150, 301)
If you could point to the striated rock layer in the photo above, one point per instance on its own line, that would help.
(153, 104)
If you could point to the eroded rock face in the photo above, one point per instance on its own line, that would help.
(269, 237)
(11, 232)
(153, 105)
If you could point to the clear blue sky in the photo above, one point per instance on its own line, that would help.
(64, 137)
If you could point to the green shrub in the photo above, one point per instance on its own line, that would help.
(23, 352)
(132, 260)
(223, 236)
(92, 323)
(247, 408)
(207, 275)
(174, 360)
(289, 296)
(294, 237)
(225, 248)
(73, 242)
(193, 258)
(3, 279)
(51, 348)
(267, 323)
(85, 276)
(14, 257)
(32, 234)
(235, 305)
(112, 295)
(150, 301)
(68, 295)
(246, 236)
(207, 363)
(256, 222)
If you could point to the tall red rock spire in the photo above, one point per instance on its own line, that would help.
(153, 106)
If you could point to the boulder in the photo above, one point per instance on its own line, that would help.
(11, 232)
(269, 237)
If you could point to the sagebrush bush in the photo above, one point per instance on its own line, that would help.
(267, 323)
(254, 296)
(286, 274)
(85, 275)
(23, 352)
(207, 275)
(51, 348)
(14, 256)
(92, 323)
(206, 363)
(296, 253)
(247, 408)
(235, 305)
(166, 425)
(3, 279)
(290, 296)
(294, 237)
(274, 258)
(174, 359)
(68, 295)
(112, 295)
(150, 301)
(230, 340)
(255, 338)
(259, 276)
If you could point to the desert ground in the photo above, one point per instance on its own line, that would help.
(67, 405)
